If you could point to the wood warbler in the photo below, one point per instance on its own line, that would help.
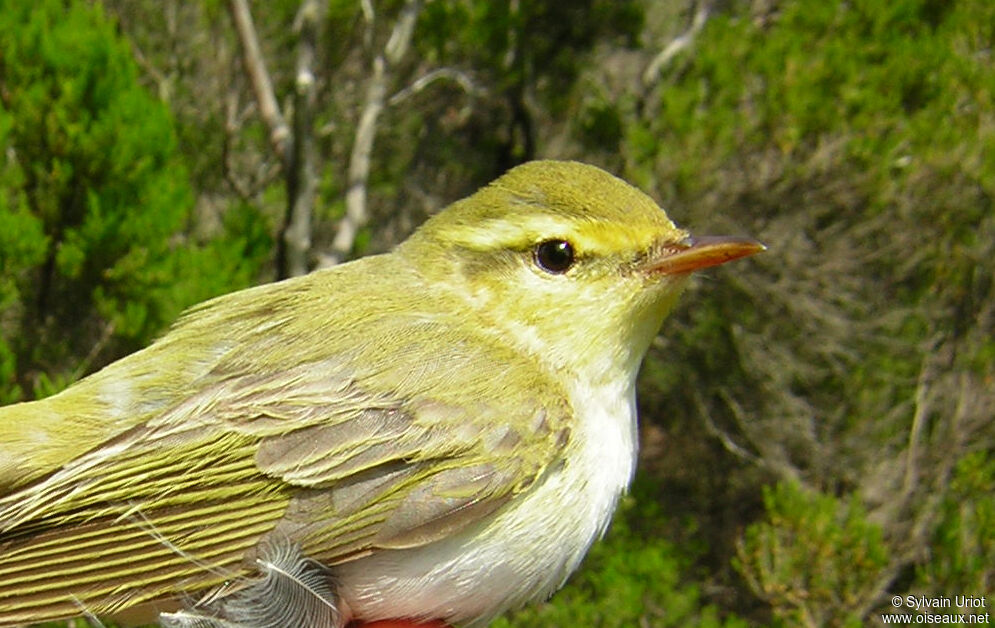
(436, 433)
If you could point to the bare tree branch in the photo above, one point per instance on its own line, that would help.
(262, 86)
(460, 78)
(922, 409)
(106, 333)
(293, 147)
(302, 181)
(724, 437)
(370, 17)
(359, 163)
(232, 123)
(162, 82)
(676, 45)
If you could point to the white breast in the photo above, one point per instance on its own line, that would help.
(529, 549)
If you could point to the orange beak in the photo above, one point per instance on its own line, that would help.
(696, 253)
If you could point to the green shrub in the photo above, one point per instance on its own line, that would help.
(962, 557)
(814, 559)
(94, 204)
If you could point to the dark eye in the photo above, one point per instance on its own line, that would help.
(554, 256)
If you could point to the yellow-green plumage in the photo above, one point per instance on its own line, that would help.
(382, 406)
(200, 414)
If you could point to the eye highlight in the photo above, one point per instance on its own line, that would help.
(554, 256)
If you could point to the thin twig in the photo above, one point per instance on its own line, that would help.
(460, 78)
(727, 441)
(302, 182)
(676, 45)
(356, 213)
(241, 190)
(262, 86)
(105, 337)
(921, 405)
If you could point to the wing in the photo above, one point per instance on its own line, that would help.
(343, 455)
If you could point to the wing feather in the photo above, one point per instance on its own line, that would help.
(341, 455)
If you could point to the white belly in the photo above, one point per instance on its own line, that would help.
(528, 550)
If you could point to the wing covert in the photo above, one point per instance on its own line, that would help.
(382, 447)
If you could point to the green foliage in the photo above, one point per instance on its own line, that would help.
(814, 558)
(855, 139)
(963, 556)
(525, 51)
(630, 579)
(94, 203)
(601, 126)
(880, 75)
(545, 37)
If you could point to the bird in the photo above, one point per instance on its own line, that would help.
(433, 434)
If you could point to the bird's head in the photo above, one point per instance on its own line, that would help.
(569, 262)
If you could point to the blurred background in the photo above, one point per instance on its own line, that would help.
(817, 422)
